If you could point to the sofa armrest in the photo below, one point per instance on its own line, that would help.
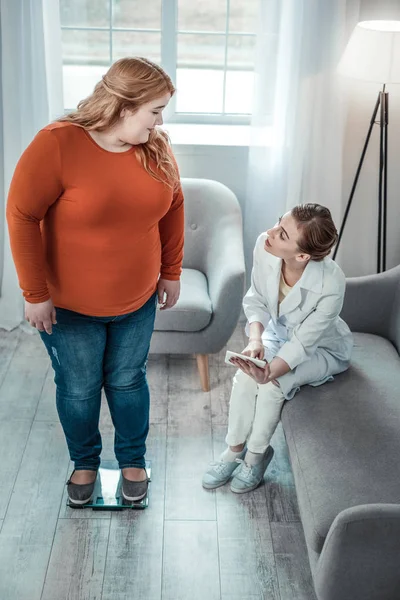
(225, 271)
(371, 303)
(360, 557)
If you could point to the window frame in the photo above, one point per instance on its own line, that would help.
(169, 32)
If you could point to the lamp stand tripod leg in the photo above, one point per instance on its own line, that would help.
(383, 182)
(353, 189)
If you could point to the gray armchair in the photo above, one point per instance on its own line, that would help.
(212, 283)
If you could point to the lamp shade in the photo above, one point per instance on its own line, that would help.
(373, 52)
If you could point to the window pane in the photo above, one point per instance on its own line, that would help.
(128, 43)
(89, 13)
(239, 92)
(241, 51)
(137, 14)
(86, 57)
(240, 75)
(243, 16)
(199, 90)
(201, 50)
(200, 69)
(241, 78)
(79, 82)
(204, 15)
(85, 47)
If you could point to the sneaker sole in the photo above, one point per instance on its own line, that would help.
(244, 490)
(214, 486)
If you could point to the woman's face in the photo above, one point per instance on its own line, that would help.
(135, 128)
(282, 240)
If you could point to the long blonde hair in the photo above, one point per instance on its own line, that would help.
(129, 83)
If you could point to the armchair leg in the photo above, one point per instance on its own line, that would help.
(202, 365)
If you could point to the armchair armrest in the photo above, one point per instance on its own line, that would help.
(371, 303)
(360, 557)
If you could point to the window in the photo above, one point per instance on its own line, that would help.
(207, 47)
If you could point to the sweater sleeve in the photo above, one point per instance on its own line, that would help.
(171, 228)
(35, 186)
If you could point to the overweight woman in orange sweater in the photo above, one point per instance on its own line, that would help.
(95, 215)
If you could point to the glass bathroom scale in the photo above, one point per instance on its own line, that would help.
(107, 494)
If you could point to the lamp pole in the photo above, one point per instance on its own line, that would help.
(382, 102)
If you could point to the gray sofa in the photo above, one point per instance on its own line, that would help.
(344, 447)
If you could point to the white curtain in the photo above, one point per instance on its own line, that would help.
(30, 97)
(299, 112)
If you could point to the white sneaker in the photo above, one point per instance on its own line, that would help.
(248, 477)
(219, 473)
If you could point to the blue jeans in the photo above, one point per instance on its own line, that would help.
(89, 353)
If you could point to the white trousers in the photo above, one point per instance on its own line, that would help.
(254, 413)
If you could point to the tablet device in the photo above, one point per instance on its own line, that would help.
(257, 361)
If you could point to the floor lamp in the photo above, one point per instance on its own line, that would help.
(373, 54)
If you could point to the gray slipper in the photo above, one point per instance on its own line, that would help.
(133, 491)
(79, 493)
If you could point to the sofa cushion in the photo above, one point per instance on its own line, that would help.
(344, 438)
(193, 310)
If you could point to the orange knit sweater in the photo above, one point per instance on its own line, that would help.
(91, 229)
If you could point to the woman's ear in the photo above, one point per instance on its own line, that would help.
(303, 258)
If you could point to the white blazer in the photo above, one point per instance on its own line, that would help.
(305, 330)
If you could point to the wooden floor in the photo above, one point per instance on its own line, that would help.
(189, 544)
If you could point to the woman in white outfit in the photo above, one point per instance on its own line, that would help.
(292, 310)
